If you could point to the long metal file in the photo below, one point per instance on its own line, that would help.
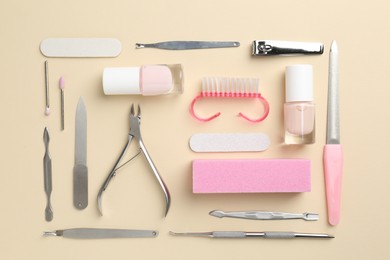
(80, 170)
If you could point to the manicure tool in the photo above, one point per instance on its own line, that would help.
(285, 48)
(250, 175)
(47, 108)
(234, 142)
(135, 132)
(80, 169)
(263, 215)
(187, 45)
(333, 154)
(242, 234)
(215, 87)
(47, 176)
(62, 86)
(98, 233)
(81, 47)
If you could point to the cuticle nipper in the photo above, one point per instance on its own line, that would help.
(135, 132)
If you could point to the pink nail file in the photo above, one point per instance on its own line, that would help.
(251, 175)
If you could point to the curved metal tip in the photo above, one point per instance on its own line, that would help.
(99, 201)
(50, 234)
(46, 136)
(139, 45)
(217, 213)
(311, 216)
(167, 206)
(132, 110)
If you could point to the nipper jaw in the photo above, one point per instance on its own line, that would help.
(135, 133)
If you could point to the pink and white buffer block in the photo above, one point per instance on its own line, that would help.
(251, 175)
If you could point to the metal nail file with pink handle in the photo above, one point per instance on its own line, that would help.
(333, 154)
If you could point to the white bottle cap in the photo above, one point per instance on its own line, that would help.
(299, 83)
(121, 81)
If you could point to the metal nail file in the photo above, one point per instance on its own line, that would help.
(187, 45)
(242, 234)
(80, 170)
(99, 233)
(263, 215)
(333, 154)
(47, 176)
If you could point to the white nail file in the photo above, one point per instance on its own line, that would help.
(81, 47)
(234, 142)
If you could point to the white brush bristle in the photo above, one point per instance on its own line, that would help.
(224, 86)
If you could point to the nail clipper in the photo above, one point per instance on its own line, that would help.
(135, 132)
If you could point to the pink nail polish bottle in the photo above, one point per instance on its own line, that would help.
(299, 109)
(146, 80)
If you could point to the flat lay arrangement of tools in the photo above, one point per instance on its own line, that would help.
(209, 175)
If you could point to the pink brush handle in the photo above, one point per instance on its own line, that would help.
(333, 166)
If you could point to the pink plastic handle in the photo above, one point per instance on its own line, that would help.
(333, 167)
(258, 96)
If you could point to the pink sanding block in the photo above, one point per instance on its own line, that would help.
(251, 175)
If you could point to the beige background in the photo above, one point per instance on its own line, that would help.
(133, 199)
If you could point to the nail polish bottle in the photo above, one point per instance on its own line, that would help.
(146, 80)
(299, 109)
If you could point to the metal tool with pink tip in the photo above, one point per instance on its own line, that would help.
(333, 154)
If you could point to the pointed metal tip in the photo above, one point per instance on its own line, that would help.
(139, 45)
(217, 213)
(139, 111)
(132, 109)
(99, 200)
(49, 234)
(46, 136)
(333, 47)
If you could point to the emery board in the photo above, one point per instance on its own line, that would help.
(81, 47)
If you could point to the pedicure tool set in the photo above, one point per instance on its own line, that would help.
(209, 176)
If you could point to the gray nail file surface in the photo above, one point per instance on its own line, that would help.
(81, 47)
(80, 169)
(231, 142)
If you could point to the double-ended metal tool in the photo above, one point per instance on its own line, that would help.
(47, 176)
(135, 120)
(187, 45)
(100, 233)
(264, 215)
(242, 234)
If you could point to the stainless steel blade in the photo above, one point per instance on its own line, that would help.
(187, 45)
(333, 120)
(96, 233)
(80, 170)
(81, 133)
